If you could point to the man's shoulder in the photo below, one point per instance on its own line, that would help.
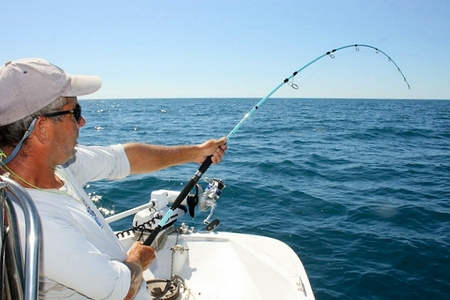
(92, 163)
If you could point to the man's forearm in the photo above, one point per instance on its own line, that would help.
(145, 158)
(149, 158)
(139, 259)
(136, 279)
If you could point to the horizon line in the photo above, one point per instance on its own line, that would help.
(273, 98)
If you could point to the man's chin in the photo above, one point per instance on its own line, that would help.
(74, 151)
(71, 158)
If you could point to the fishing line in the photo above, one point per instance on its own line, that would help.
(295, 86)
(207, 162)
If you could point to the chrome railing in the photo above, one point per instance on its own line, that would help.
(19, 276)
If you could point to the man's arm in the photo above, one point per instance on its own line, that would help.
(139, 259)
(145, 158)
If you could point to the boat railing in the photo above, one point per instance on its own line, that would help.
(127, 213)
(19, 274)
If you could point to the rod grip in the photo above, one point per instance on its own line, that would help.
(149, 240)
(205, 164)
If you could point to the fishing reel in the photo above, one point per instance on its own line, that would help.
(206, 200)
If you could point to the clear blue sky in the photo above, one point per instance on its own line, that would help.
(207, 48)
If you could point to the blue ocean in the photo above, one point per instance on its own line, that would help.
(359, 189)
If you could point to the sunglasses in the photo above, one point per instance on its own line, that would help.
(76, 113)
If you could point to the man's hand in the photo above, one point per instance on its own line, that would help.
(141, 254)
(216, 148)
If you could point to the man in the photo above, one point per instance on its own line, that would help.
(40, 120)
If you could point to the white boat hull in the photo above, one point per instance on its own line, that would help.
(222, 265)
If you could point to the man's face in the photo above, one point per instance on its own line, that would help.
(65, 133)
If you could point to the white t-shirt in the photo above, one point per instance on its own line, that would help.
(81, 257)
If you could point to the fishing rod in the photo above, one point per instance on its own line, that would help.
(207, 162)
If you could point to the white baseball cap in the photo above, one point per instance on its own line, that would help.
(29, 84)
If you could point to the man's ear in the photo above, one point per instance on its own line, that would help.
(42, 130)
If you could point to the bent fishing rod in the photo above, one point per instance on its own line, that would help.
(207, 162)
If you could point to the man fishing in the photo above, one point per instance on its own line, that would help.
(40, 119)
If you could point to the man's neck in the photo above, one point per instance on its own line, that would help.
(33, 173)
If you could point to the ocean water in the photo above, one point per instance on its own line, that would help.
(360, 189)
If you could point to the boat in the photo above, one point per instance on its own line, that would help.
(190, 264)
